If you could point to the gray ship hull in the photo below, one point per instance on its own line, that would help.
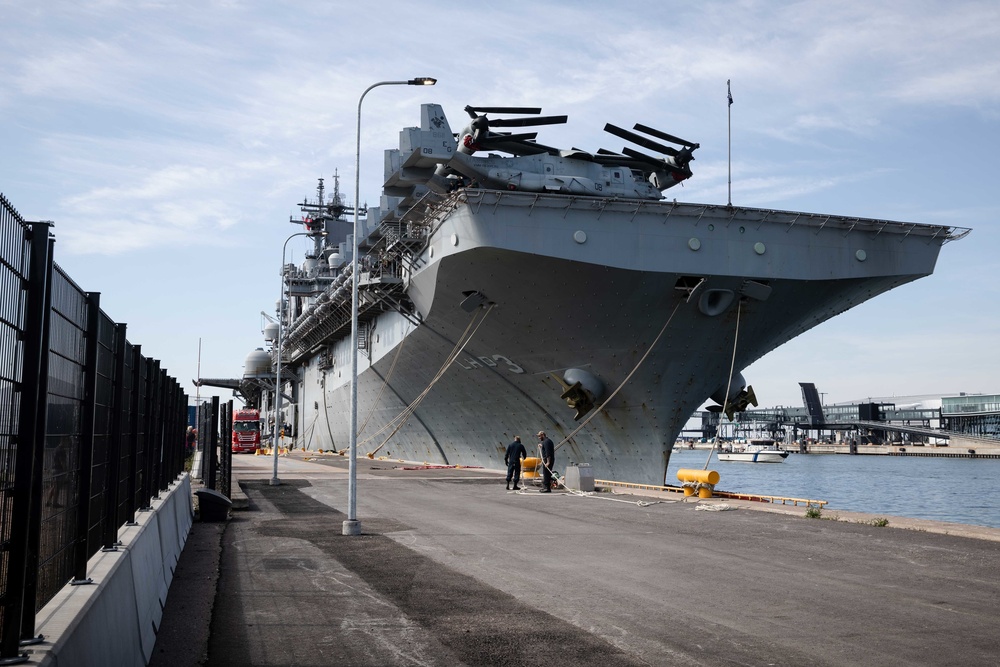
(652, 300)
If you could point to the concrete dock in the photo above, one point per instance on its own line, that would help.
(452, 569)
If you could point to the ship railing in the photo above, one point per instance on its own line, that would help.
(391, 246)
(375, 296)
(378, 277)
(428, 211)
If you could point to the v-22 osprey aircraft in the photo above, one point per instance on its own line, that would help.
(535, 167)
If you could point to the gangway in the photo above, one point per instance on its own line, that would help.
(920, 430)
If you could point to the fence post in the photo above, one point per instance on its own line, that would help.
(135, 431)
(156, 441)
(18, 609)
(112, 480)
(163, 426)
(170, 472)
(182, 424)
(170, 440)
(178, 421)
(87, 427)
(226, 451)
(167, 454)
(204, 428)
(149, 440)
(213, 445)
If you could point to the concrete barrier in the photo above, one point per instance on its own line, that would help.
(114, 620)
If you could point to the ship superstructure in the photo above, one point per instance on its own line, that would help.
(502, 296)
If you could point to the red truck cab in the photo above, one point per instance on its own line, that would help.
(246, 431)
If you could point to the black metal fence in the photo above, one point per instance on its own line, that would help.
(215, 437)
(225, 481)
(90, 429)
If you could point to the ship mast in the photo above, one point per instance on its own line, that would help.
(319, 215)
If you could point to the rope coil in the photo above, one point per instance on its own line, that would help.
(697, 486)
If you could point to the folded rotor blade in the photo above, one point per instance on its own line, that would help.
(659, 163)
(640, 140)
(666, 137)
(632, 153)
(524, 122)
(475, 111)
(501, 137)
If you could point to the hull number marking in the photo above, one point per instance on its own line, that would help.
(478, 362)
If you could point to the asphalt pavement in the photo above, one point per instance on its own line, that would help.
(452, 569)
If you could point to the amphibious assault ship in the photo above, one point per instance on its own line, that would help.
(540, 289)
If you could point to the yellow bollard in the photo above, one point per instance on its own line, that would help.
(529, 467)
(704, 480)
(701, 476)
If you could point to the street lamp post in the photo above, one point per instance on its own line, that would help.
(351, 525)
(277, 370)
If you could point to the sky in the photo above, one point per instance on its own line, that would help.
(169, 142)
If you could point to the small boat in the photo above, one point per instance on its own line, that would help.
(757, 451)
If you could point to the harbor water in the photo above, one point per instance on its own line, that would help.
(959, 490)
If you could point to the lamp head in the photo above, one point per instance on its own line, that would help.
(422, 81)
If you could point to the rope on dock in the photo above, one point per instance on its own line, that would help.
(783, 500)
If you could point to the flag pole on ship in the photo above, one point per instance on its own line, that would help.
(729, 95)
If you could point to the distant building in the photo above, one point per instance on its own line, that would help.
(920, 418)
(974, 414)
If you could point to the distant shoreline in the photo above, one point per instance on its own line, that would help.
(976, 450)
